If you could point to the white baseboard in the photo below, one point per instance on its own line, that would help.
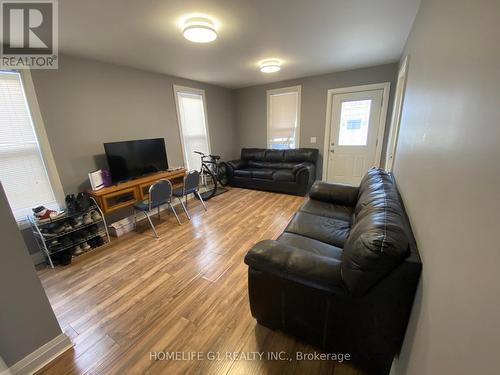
(40, 357)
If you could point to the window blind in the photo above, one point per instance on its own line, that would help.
(283, 120)
(194, 134)
(22, 170)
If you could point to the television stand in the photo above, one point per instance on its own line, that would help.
(126, 194)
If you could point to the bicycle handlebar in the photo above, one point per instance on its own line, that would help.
(207, 156)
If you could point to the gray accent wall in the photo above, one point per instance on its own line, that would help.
(86, 103)
(26, 318)
(251, 105)
(447, 169)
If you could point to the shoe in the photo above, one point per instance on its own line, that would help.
(57, 229)
(71, 204)
(47, 233)
(96, 216)
(99, 241)
(85, 246)
(87, 219)
(83, 201)
(66, 242)
(85, 233)
(44, 215)
(77, 237)
(54, 245)
(77, 222)
(67, 227)
(77, 250)
(93, 229)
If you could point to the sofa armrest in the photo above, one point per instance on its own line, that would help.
(346, 195)
(232, 165)
(300, 166)
(292, 263)
(236, 164)
(305, 173)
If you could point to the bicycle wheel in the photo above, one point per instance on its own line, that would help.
(208, 184)
(222, 174)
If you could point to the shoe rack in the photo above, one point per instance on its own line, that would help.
(64, 239)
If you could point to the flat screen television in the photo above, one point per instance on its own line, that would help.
(132, 159)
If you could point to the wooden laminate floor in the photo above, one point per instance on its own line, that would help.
(186, 293)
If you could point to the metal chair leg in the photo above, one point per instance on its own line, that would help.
(175, 213)
(186, 200)
(184, 208)
(135, 220)
(151, 223)
(158, 212)
(201, 200)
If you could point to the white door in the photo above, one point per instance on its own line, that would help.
(354, 130)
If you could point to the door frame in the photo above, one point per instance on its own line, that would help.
(385, 86)
(195, 91)
(397, 110)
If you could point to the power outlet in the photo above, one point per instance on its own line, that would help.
(313, 139)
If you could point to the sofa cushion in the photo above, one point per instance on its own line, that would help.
(263, 173)
(246, 172)
(274, 156)
(310, 244)
(283, 175)
(300, 155)
(327, 209)
(379, 240)
(329, 230)
(253, 154)
(268, 164)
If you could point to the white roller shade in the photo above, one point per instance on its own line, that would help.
(22, 170)
(283, 119)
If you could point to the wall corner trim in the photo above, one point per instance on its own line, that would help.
(41, 356)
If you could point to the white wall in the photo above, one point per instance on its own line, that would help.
(448, 170)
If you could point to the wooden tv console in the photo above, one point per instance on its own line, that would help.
(125, 194)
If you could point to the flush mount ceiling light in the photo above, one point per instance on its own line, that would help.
(199, 30)
(270, 66)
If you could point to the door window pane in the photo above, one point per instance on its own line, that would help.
(354, 121)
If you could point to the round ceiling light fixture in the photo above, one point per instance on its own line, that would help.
(199, 30)
(270, 66)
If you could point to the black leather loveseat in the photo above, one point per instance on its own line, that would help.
(343, 274)
(284, 171)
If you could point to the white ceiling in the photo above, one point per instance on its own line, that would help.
(310, 36)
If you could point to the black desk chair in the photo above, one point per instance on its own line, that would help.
(191, 186)
(160, 193)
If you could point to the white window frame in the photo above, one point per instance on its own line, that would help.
(284, 90)
(190, 90)
(397, 111)
(43, 141)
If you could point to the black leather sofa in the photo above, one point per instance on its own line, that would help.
(284, 171)
(343, 274)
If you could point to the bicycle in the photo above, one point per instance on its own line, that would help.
(212, 173)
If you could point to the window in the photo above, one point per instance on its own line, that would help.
(354, 121)
(283, 118)
(191, 115)
(23, 172)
